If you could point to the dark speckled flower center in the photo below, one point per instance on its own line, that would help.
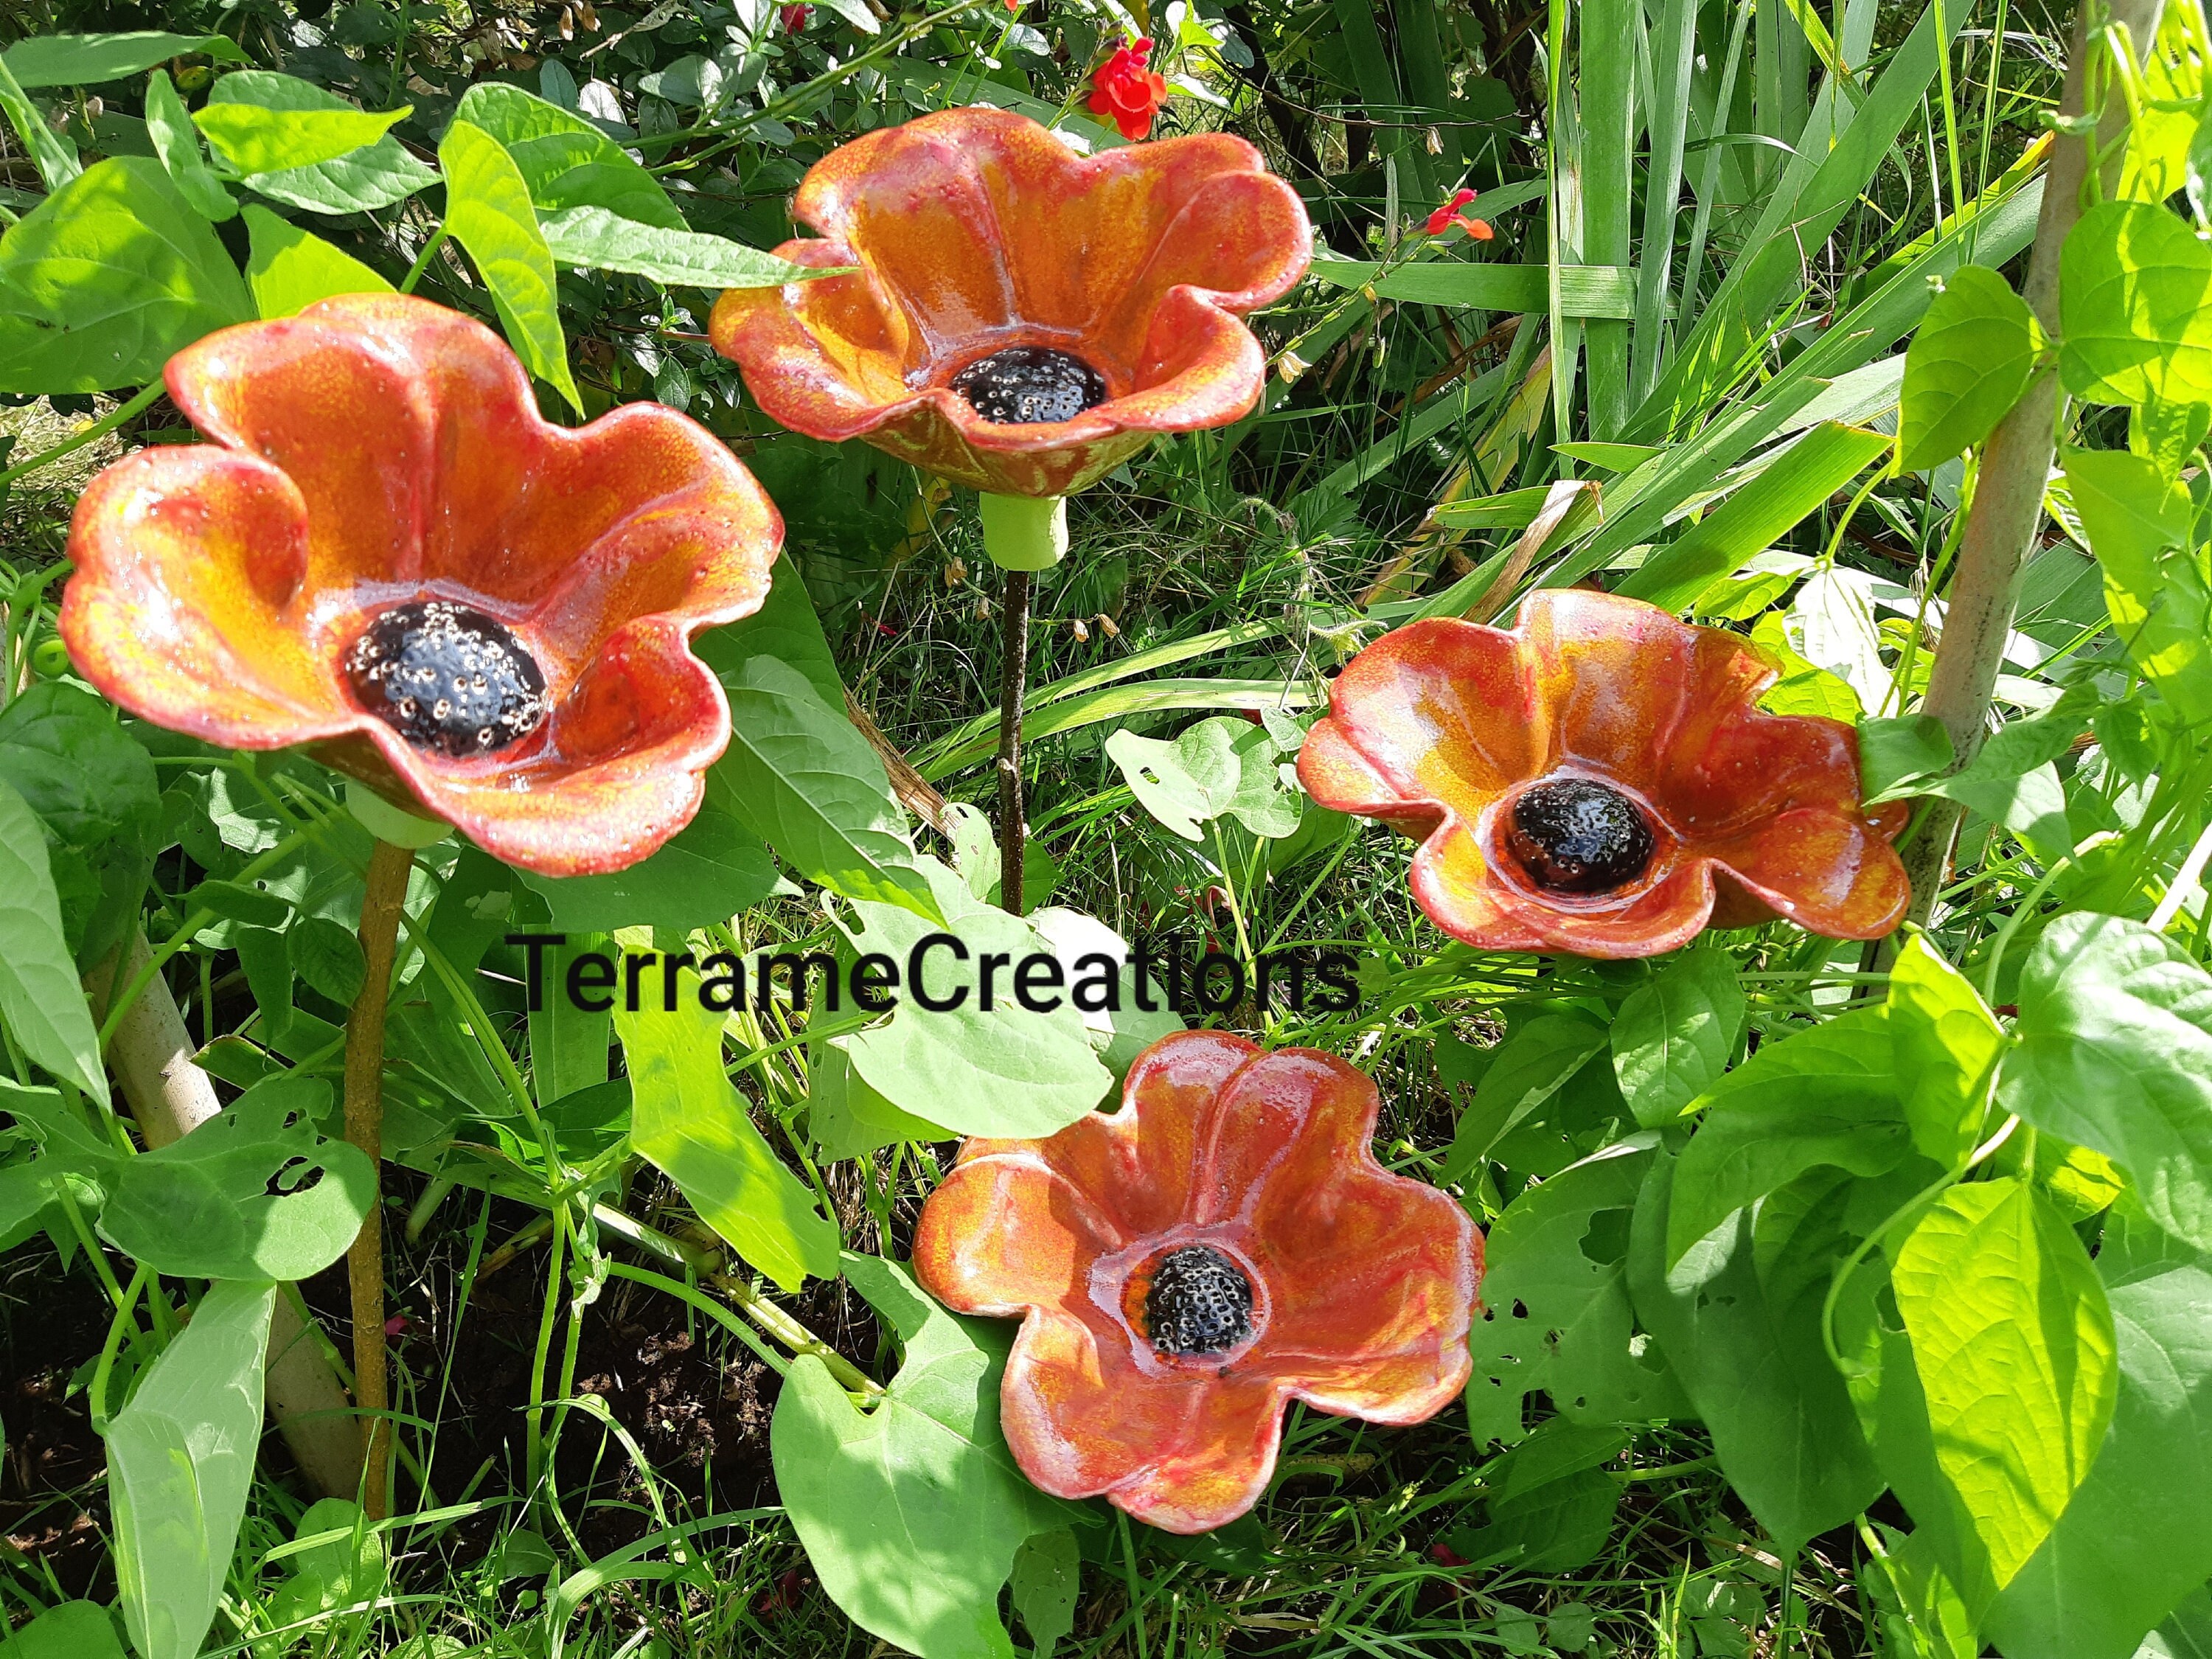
(448, 678)
(1200, 1302)
(1576, 835)
(1023, 385)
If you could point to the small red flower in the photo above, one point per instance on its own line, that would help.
(795, 18)
(1125, 88)
(1186, 1266)
(1449, 214)
(1601, 781)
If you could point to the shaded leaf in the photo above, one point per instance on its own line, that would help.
(40, 1000)
(1672, 1039)
(489, 212)
(1969, 362)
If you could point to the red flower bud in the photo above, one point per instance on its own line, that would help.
(1124, 88)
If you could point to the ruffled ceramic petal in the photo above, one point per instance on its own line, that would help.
(976, 230)
(1217, 1464)
(378, 449)
(1287, 1123)
(1046, 1233)
(1136, 1164)
(1081, 1416)
(1830, 872)
(188, 561)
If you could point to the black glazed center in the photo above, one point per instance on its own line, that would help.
(1024, 385)
(1200, 1302)
(1576, 835)
(447, 678)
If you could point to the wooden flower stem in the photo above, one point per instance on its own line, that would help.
(388, 867)
(1013, 829)
(1024, 534)
(2008, 504)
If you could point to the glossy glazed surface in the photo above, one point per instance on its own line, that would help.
(376, 451)
(976, 230)
(1440, 726)
(1361, 1283)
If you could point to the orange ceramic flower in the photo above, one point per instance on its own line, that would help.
(1223, 1244)
(1600, 781)
(1022, 319)
(385, 554)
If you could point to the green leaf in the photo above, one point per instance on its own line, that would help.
(785, 627)
(2115, 1053)
(1046, 1576)
(378, 177)
(105, 280)
(339, 1572)
(1756, 516)
(691, 1122)
(1555, 1312)
(2185, 1634)
(72, 60)
(63, 750)
(1919, 1615)
(71, 1630)
(910, 1512)
(566, 161)
(2012, 1338)
(1673, 1036)
(2135, 299)
(804, 780)
(255, 137)
(1555, 1528)
(1220, 768)
(179, 1462)
(1825, 1097)
(1969, 362)
(1752, 1365)
(846, 1117)
(1005, 1070)
(177, 142)
(2138, 1536)
(289, 269)
(2157, 588)
(1531, 1066)
(568, 1044)
(1895, 754)
(54, 155)
(201, 1208)
(600, 240)
(1946, 1045)
(489, 212)
(40, 1000)
(708, 871)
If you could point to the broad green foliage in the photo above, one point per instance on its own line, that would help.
(289, 269)
(1046, 1578)
(708, 871)
(2116, 1054)
(105, 279)
(262, 122)
(1946, 1046)
(687, 1118)
(910, 1508)
(1672, 1038)
(489, 212)
(2138, 522)
(71, 1630)
(1529, 1067)
(1220, 768)
(37, 982)
(1001, 1069)
(180, 1458)
(2138, 1534)
(62, 60)
(804, 780)
(1556, 1314)
(2133, 292)
(1970, 360)
(2013, 1340)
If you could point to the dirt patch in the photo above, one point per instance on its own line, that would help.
(53, 1508)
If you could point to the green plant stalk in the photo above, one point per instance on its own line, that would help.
(388, 867)
(2008, 504)
(1023, 535)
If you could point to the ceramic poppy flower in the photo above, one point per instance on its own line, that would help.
(1600, 781)
(1182, 1268)
(1127, 91)
(1022, 319)
(386, 555)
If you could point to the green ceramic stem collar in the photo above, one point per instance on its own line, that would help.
(1024, 532)
(388, 822)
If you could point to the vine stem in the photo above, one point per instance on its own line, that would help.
(2007, 505)
(388, 867)
(1014, 830)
